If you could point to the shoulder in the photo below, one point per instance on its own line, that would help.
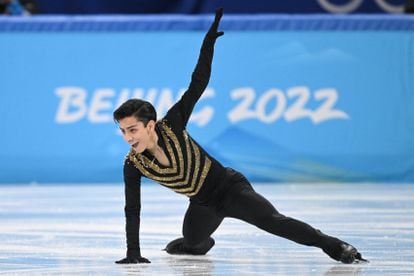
(129, 157)
(171, 122)
(129, 164)
(174, 116)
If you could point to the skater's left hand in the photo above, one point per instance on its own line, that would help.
(128, 260)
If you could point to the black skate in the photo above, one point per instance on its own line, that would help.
(350, 254)
(176, 247)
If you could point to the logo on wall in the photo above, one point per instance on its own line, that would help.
(353, 5)
(269, 106)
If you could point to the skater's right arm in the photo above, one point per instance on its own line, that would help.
(132, 179)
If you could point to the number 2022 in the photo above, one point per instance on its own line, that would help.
(247, 108)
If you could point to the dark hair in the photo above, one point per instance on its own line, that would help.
(142, 110)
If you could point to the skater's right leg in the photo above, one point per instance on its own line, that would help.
(199, 223)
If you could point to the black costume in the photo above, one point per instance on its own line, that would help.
(215, 192)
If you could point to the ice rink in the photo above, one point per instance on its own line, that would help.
(79, 230)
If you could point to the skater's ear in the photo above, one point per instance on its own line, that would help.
(151, 125)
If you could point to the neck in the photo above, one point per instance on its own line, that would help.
(153, 146)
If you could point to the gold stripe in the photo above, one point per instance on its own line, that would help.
(171, 182)
(196, 169)
(196, 185)
(138, 164)
(173, 166)
(188, 167)
(155, 167)
(204, 173)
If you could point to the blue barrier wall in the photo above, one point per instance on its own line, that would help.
(291, 98)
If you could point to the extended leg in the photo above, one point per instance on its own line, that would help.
(253, 208)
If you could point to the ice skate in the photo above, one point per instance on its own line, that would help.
(350, 254)
(176, 247)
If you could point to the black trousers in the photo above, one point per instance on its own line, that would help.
(239, 200)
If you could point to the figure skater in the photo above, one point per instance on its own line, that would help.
(165, 152)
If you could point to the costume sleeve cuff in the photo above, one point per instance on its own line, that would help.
(133, 253)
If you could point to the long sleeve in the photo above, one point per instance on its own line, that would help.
(200, 76)
(132, 179)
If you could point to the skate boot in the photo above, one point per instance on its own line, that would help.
(343, 252)
(350, 254)
(176, 247)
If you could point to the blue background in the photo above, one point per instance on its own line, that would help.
(370, 71)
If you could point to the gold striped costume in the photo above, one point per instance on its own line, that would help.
(188, 169)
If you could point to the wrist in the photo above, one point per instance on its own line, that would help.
(133, 253)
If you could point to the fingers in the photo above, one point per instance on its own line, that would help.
(217, 18)
(219, 14)
(213, 29)
(143, 260)
(125, 261)
(133, 260)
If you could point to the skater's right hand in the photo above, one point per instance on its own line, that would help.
(129, 260)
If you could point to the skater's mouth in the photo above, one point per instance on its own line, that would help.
(135, 145)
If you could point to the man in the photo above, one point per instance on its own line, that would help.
(164, 151)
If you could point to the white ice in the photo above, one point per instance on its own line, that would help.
(79, 229)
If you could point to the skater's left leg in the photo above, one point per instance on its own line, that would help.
(253, 208)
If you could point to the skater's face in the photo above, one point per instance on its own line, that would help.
(136, 133)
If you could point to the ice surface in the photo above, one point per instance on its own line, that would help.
(79, 229)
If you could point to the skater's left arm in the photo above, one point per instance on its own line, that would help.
(201, 74)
